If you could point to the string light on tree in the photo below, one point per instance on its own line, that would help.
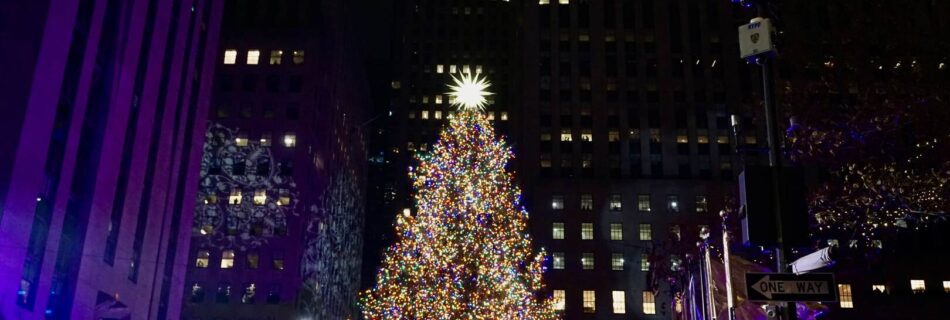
(464, 252)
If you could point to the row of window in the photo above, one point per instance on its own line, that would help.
(224, 293)
(437, 114)
(289, 140)
(587, 135)
(846, 298)
(252, 260)
(615, 203)
(259, 198)
(253, 57)
(618, 301)
(645, 231)
(617, 261)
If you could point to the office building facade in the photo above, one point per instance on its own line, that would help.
(278, 226)
(627, 151)
(105, 106)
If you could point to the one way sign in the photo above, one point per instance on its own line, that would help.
(791, 287)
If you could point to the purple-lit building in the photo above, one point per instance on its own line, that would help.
(104, 108)
(278, 226)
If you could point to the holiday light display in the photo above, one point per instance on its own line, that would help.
(465, 252)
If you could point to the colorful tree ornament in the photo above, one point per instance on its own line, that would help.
(465, 252)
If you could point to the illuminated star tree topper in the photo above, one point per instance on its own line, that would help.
(469, 91)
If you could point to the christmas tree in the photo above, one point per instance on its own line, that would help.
(465, 252)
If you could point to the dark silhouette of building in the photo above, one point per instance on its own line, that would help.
(105, 104)
(278, 225)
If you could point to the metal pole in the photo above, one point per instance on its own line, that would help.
(710, 284)
(789, 312)
(730, 308)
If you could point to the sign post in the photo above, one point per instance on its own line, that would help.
(775, 287)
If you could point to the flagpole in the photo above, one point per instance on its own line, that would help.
(730, 308)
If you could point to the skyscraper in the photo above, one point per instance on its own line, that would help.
(278, 226)
(104, 111)
(626, 149)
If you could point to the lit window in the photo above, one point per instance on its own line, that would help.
(266, 139)
(587, 231)
(616, 202)
(616, 262)
(438, 99)
(646, 232)
(253, 260)
(491, 115)
(298, 56)
(672, 203)
(701, 204)
(425, 99)
(676, 231)
(566, 135)
(439, 68)
(587, 261)
(844, 296)
(230, 56)
(682, 138)
(589, 300)
(425, 114)
(438, 114)
(649, 304)
(283, 198)
(644, 262)
(619, 302)
(260, 197)
(290, 140)
(557, 230)
(452, 68)
(946, 286)
(241, 140)
(202, 260)
(466, 69)
(557, 202)
(613, 136)
(563, 1)
(253, 56)
(587, 202)
(396, 84)
(918, 286)
(722, 139)
(616, 231)
(558, 300)
(587, 136)
(557, 260)
(544, 2)
(478, 69)
(275, 56)
(227, 259)
(643, 202)
(504, 116)
(235, 197)
(880, 288)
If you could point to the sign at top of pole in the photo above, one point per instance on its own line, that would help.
(755, 38)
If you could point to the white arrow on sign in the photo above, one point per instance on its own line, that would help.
(768, 287)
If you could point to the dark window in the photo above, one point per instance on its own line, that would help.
(296, 84)
(249, 83)
(273, 83)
